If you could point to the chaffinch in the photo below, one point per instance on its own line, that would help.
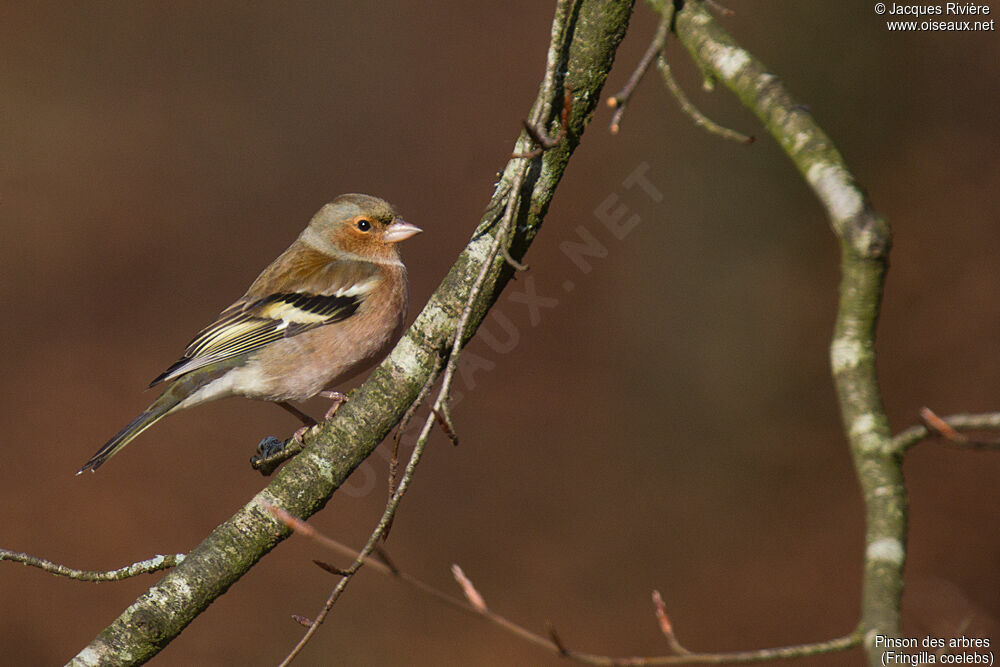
(329, 307)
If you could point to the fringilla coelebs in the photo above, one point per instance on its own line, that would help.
(329, 307)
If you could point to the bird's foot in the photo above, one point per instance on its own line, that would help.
(268, 447)
(272, 452)
(300, 433)
(338, 400)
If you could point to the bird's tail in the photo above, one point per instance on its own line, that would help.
(159, 409)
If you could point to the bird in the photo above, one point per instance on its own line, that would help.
(329, 307)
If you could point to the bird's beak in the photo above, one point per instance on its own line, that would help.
(399, 230)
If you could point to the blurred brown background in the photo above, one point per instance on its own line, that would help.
(669, 424)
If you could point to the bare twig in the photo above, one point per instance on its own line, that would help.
(556, 640)
(513, 193)
(475, 604)
(443, 415)
(619, 100)
(700, 119)
(154, 564)
(363, 557)
(723, 11)
(948, 428)
(516, 265)
(471, 594)
(404, 423)
(940, 426)
(542, 138)
(332, 569)
(386, 568)
(384, 557)
(666, 627)
(655, 51)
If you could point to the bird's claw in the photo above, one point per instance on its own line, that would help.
(268, 447)
(300, 433)
(271, 453)
(338, 400)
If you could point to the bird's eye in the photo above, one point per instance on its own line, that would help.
(364, 225)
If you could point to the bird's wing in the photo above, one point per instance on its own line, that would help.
(252, 323)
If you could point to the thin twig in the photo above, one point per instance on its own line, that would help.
(540, 137)
(463, 321)
(619, 100)
(370, 545)
(475, 604)
(473, 596)
(332, 569)
(443, 415)
(556, 639)
(700, 119)
(940, 426)
(666, 627)
(415, 404)
(516, 265)
(301, 528)
(558, 40)
(154, 564)
(513, 192)
(945, 427)
(543, 139)
(384, 557)
(404, 422)
(723, 11)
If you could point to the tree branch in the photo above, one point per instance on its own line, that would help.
(864, 240)
(148, 566)
(306, 483)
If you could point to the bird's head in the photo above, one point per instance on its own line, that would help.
(360, 227)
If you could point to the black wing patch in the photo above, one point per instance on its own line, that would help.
(248, 329)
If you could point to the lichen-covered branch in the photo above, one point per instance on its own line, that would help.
(864, 239)
(307, 482)
(148, 566)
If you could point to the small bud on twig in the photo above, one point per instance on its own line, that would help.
(471, 594)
